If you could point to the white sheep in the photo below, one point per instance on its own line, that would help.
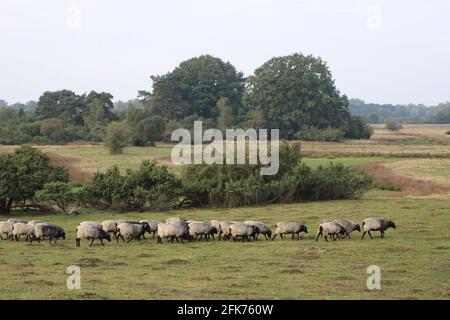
(131, 231)
(224, 229)
(110, 226)
(349, 226)
(377, 224)
(262, 229)
(199, 229)
(153, 224)
(91, 233)
(91, 223)
(175, 220)
(242, 231)
(22, 229)
(290, 227)
(48, 230)
(172, 231)
(34, 222)
(14, 221)
(332, 229)
(7, 229)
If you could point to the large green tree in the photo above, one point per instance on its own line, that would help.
(63, 104)
(295, 92)
(99, 109)
(24, 173)
(195, 87)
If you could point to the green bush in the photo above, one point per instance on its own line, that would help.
(393, 125)
(358, 129)
(150, 186)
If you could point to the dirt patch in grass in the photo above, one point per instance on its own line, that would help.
(73, 165)
(385, 178)
(90, 262)
(175, 262)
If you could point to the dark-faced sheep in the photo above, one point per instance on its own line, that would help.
(290, 227)
(377, 224)
(91, 233)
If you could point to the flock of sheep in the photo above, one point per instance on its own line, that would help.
(180, 229)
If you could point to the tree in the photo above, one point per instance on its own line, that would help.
(55, 193)
(195, 87)
(116, 138)
(53, 129)
(149, 130)
(393, 125)
(443, 114)
(296, 91)
(99, 109)
(3, 103)
(226, 118)
(64, 104)
(24, 173)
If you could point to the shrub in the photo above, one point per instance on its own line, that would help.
(358, 129)
(116, 138)
(56, 193)
(150, 186)
(448, 132)
(393, 125)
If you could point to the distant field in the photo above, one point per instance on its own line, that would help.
(414, 259)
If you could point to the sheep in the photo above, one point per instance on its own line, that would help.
(34, 222)
(91, 223)
(175, 220)
(153, 224)
(349, 226)
(110, 226)
(49, 230)
(289, 227)
(131, 231)
(22, 229)
(14, 221)
(6, 228)
(263, 229)
(242, 231)
(332, 229)
(377, 224)
(128, 221)
(224, 229)
(91, 233)
(171, 230)
(197, 228)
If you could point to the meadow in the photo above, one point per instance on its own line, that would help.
(414, 258)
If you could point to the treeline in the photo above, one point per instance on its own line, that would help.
(295, 94)
(411, 113)
(27, 178)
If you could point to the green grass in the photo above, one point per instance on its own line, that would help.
(414, 259)
(348, 161)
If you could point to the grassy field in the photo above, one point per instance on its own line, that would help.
(414, 259)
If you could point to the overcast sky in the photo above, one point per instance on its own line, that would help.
(393, 51)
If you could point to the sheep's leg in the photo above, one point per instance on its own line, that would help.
(153, 235)
(212, 235)
(281, 236)
(50, 240)
(363, 235)
(274, 236)
(129, 239)
(326, 238)
(370, 235)
(181, 239)
(159, 240)
(102, 242)
(92, 242)
(318, 235)
(382, 234)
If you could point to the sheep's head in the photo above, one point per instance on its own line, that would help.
(213, 230)
(63, 235)
(146, 226)
(108, 237)
(303, 228)
(392, 224)
(357, 227)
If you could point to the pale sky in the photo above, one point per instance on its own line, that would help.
(393, 51)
